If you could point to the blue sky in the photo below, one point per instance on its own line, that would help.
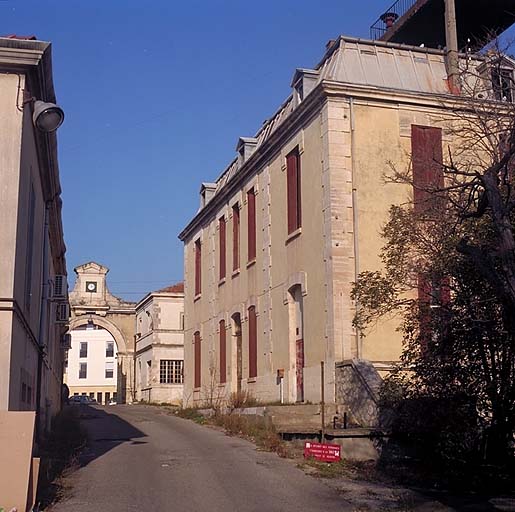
(156, 94)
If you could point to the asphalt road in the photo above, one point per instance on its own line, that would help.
(142, 459)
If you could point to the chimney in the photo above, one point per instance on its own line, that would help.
(389, 18)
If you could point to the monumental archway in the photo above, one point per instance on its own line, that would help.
(92, 303)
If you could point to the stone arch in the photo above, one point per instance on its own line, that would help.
(121, 344)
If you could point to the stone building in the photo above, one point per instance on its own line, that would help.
(99, 317)
(33, 291)
(271, 255)
(160, 345)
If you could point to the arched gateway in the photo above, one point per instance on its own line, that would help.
(92, 305)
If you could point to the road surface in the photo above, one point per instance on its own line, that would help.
(142, 459)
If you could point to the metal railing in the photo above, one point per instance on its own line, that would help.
(390, 16)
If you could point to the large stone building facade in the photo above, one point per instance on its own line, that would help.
(147, 356)
(93, 306)
(159, 361)
(271, 255)
(33, 291)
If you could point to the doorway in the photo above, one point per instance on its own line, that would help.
(297, 335)
(236, 324)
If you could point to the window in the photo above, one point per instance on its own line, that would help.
(198, 267)
(171, 371)
(223, 353)
(109, 349)
(196, 342)
(181, 321)
(252, 342)
(236, 237)
(92, 394)
(426, 161)
(294, 190)
(221, 245)
(251, 224)
(502, 80)
(99, 397)
(83, 352)
(109, 372)
(83, 370)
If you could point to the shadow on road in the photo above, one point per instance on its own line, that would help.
(105, 431)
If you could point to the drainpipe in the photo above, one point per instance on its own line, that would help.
(134, 372)
(42, 322)
(355, 224)
(451, 39)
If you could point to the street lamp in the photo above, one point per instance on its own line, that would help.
(47, 117)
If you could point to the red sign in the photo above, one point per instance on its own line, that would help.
(323, 452)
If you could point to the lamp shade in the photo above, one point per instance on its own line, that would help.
(47, 117)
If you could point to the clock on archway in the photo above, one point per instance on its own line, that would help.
(91, 286)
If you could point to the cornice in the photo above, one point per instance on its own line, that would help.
(306, 110)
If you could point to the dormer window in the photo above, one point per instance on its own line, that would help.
(245, 147)
(304, 81)
(207, 191)
(503, 85)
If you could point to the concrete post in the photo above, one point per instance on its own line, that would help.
(451, 37)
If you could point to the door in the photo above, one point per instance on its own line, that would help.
(300, 369)
(236, 319)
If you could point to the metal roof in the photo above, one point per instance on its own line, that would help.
(353, 61)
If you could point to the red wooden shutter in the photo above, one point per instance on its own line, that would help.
(196, 338)
(427, 158)
(251, 227)
(223, 353)
(198, 267)
(294, 191)
(252, 342)
(235, 237)
(221, 235)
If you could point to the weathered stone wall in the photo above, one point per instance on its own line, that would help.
(357, 391)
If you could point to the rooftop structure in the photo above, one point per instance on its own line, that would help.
(418, 22)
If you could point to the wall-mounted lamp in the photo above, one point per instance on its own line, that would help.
(47, 117)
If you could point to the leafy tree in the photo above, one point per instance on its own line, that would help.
(449, 267)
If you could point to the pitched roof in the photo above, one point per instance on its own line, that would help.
(173, 288)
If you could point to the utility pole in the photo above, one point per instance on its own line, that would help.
(451, 37)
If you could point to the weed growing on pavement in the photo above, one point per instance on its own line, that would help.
(190, 413)
(60, 455)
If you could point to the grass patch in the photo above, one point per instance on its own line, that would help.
(59, 456)
(190, 413)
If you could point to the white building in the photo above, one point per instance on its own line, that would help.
(92, 367)
(160, 346)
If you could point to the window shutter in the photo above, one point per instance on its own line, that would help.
(221, 234)
(294, 192)
(427, 157)
(223, 353)
(197, 378)
(251, 228)
(252, 342)
(235, 237)
(198, 267)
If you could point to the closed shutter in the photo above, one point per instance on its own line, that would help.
(198, 267)
(427, 158)
(251, 227)
(221, 234)
(223, 353)
(294, 191)
(197, 379)
(235, 237)
(252, 342)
